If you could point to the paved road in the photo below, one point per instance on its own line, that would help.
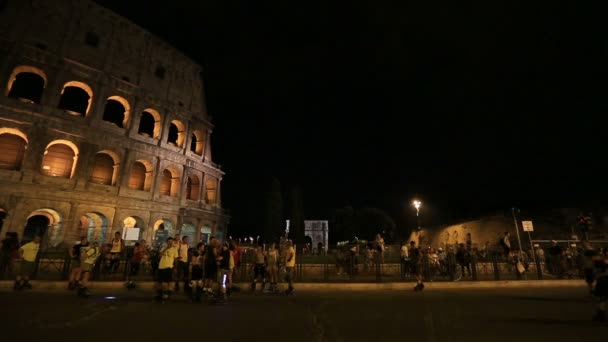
(500, 314)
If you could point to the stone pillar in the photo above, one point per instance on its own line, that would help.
(218, 197)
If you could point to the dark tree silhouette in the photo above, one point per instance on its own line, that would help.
(273, 220)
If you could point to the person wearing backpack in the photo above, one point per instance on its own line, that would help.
(89, 256)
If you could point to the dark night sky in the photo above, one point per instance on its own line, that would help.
(474, 107)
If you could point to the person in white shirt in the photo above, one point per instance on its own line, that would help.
(405, 260)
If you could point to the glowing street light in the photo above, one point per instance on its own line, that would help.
(417, 204)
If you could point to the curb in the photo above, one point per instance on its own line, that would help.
(461, 285)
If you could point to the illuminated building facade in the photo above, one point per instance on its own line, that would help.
(103, 127)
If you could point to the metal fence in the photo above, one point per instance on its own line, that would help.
(343, 266)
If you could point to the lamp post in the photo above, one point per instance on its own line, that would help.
(417, 204)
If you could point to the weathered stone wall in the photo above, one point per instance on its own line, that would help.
(55, 37)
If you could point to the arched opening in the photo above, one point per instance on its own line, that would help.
(12, 149)
(141, 176)
(44, 222)
(211, 190)
(28, 87)
(105, 169)
(149, 123)
(36, 225)
(3, 214)
(95, 226)
(176, 133)
(26, 83)
(206, 233)
(116, 111)
(76, 98)
(192, 188)
(189, 231)
(59, 159)
(198, 142)
(133, 230)
(169, 185)
(163, 229)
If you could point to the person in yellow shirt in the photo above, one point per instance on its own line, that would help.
(164, 275)
(27, 254)
(290, 264)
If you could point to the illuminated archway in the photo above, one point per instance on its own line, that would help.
(13, 144)
(60, 158)
(26, 83)
(76, 98)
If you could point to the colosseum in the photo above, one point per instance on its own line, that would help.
(103, 129)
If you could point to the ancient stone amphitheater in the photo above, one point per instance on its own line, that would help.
(103, 129)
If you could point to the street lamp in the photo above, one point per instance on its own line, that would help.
(417, 204)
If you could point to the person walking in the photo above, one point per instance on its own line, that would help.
(75, 263)
(89, 256)
(135, 264)
(196, 272)
(27, 254)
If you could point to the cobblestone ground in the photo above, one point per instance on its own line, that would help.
(499, 314)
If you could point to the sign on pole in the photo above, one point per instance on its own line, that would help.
(527, 226)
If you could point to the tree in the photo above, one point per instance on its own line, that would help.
(273, 218)
(296, 216)
(342, 225)
(371, 221)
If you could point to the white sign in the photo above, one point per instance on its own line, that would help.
(130, 234)
(527, 226)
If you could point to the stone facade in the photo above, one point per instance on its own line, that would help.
(318, 231)
(102, 127)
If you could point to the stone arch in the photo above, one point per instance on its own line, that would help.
(193, 188)
(13, 144)
(197, 145)
(117, 111)
(26, 83)
(170, 181)
(95, 226)
(140, 177)
(163, 229)
(176, 133)
(189, 230)
(51, 233)
(105, 168)
(133, 222)
(211, 191)
(60, 158)
(150, 123)
(76, 98)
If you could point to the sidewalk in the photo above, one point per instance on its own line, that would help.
(460, 285)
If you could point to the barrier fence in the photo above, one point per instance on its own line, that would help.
(346, 266)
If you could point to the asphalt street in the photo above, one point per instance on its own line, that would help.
(495, 314)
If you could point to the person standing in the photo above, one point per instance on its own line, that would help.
(118, 245)
(27, 254)
(259, 268)
(290, 264)
(272, 266)
(134, 265)
(182, 264)
(589, 256)
(196, 272)
(9, 251)
(168, 255)
(463, 257)
(210, 262)
(89, 255)
(416, 265)
(405, 259)
(506, 244)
